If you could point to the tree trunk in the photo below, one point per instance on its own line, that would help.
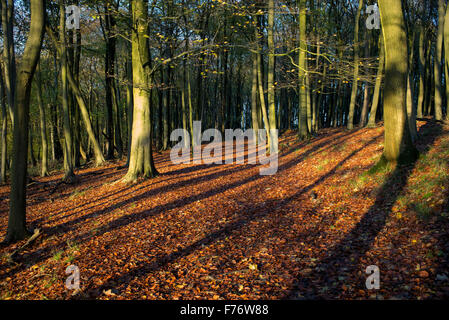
(411, 105)
(33, 161)
(99, 159)
(165, 107)
(17, 212)
(271, 75)
(378, 86)
(421, 72)
(4, 123)
(7, 11)
(68, 154)
(141, 160)
(43, 123)
(398, 143)
(260, 78)
(356, 68)
(302, 70)
(364, 114)
(109, 77)
(129, 89)
(129, 102)
(76, 111)
(446, 54)
(439, 95)
(254, 104)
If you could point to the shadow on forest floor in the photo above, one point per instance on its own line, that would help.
(172, 246)
(342, 262)
(122, 199)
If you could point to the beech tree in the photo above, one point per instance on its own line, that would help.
(398, 142)
(17, 212)
(141, 155)
(356, 67)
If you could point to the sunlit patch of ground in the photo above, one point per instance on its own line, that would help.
(226, 232)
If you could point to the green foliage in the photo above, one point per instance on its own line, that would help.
(57, 255)
(381, 167)
(423, 211)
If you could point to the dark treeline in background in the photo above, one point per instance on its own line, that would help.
(136, 70)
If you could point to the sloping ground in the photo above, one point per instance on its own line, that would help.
(225, 232)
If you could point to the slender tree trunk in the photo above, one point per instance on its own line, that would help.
(356, 68)
(109, 76)
(189, 93)
(429, 80)
(129, 103)
(117, 127)
(422, 72)
(319, 118)
(290, 110)
(4, 123)
(364, 114)
(191, 111)
(446, 54)
(183, 106)
(9, 68)
(260, 80)
(254, 103)
(411, 109)
(17, 212)
(185, 120)
(439, 95)
(99, 159)
(129, 91)
(76, 111)
(224, 92)
(302, 70)
(271, 76)
(378, 86)
(165, 108)
(43, 124)
(309, 100)
(33, 161)
(411, 105)
(68, 154)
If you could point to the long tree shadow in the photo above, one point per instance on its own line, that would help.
(245, 216)
(38, 197)
(99, 202)
(199, 179)
(442, 236)
(343, 258)
(42, 253)
(439, 228)
(43, 192)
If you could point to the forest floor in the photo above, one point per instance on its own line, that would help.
(226, 232)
